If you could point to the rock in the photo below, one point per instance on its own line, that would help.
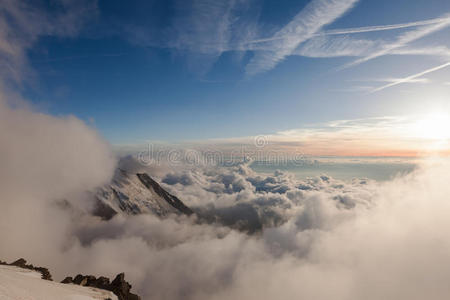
(67, 280)
(84, 281)
(102, 283)
(45, 273)
(171, 199)
(78, 279)
(91, 281)
(21, 263)
(121, 288)
(118, 286)
(103, 210)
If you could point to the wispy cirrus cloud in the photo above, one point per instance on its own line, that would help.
(23, 22)
(205, 29)
(362, 29)
(323, 44)
(438, 51)
(191, 29)
(404, 40)
(392, 80)
(347, 46)
(304, 25)
(411, 78)
(323, 47)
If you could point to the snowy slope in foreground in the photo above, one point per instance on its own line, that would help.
(22, 284)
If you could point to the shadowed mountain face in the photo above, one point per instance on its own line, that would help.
(133, 194)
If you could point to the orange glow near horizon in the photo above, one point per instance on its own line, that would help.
(412, 136)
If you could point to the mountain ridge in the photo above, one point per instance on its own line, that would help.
(136, 193)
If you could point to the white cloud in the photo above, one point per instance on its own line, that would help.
(349, 240)
(438, 51)
(22, 23)
(202, 30)
(412, 78)
(363, 29)
(337, 47)
(304, 25)
(322, 43)
(43, 158)
(384, 27)
(404, 39)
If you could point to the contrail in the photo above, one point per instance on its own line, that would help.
(360, 29)
(412, 77)
(403, 40)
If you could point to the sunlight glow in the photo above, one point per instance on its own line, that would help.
(435, 126)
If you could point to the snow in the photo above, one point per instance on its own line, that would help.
(126, 194)
(22, 284)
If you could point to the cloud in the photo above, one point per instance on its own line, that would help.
(412, 78)
(202, 30)
(302, 27)
(385, 27)
(44, 158)
(404, 39)
(364, 29)
(304, 42)
(22, 23)
(368, 235)
(337, 47)
(324, 44)
(326, 47)
(373, 136)
(439, 51)
(192, 25)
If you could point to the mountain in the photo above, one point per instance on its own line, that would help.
(132, 194)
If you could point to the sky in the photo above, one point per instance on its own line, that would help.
(199, 70)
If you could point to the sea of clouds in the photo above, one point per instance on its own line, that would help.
(254, 236)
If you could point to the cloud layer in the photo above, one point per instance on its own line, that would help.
(317, 238)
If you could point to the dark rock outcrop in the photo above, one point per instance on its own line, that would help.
(118, 286)
(121, 288)
(171, 199)
(67, 280)
(103, 210)
(22, 263)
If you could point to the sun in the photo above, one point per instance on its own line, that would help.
(435, 126)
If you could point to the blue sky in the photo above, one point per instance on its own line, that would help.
(195, 70)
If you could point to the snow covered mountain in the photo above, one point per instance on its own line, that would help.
(132, 194)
